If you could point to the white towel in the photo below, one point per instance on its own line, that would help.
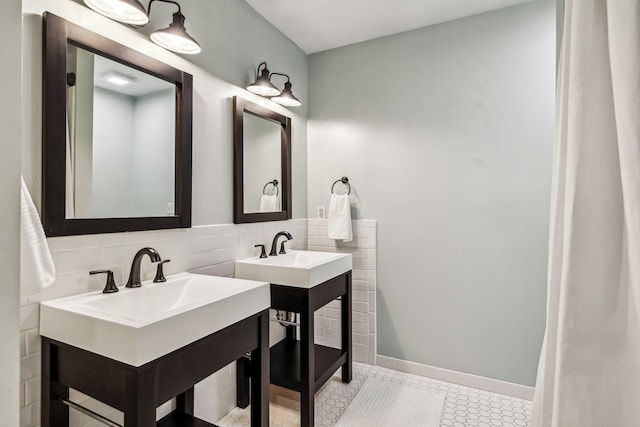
(36, 266)
(269, 203)
(340, 218)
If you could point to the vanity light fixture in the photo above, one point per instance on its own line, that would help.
(126, 11)
(286, 98)
(174, 38)
(263, 87)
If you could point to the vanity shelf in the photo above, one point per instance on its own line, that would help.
(285, 369)
(178, 419)
(138, 390)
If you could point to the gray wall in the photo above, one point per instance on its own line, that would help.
(446, 135)
(10, 107)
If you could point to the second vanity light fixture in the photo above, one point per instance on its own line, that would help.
(263, 87)
(175, 38)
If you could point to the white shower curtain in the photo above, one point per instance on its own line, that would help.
(589, 373)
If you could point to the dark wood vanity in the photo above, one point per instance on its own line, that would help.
(301, 365)
(139, 390)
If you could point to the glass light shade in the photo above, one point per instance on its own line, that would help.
(286, 98)
(175, 38)
(125, 11)
(263, 86)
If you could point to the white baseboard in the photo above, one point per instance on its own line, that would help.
(469, 380)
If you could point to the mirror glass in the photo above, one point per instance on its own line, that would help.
(120, 140)
(262, 164)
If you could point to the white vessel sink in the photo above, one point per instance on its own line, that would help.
(304, 269)
(136, 326)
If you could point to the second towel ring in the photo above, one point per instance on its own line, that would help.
(343, 180)
(274, 183)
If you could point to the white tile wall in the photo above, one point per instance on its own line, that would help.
(207, 250)
(327, 319)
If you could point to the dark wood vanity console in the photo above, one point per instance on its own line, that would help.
(302, 365)
(138, 390)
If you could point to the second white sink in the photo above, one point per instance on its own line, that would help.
(304, 269)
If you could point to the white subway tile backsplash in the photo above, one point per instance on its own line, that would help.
(23, 344)
(360, 296)
(74, 261)
(360, 328)
(29, 367)
(361, 264)
(32, 390)
(30, 415)
(29, 317)
(360, 285)
(22, 397)
(32, 341)
(362, 307)
(360, 275)
(73, 243)
(372, 321)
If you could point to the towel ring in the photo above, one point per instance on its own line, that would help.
(274, 183)
(343, 180)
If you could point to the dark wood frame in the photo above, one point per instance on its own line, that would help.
(57, 34)
(137, 391)
(301, 365)
(240, 106)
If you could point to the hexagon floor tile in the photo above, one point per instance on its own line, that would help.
(463, 406)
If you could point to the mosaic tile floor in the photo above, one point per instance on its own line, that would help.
(463, 406)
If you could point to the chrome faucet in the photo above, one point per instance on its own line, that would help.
(275, 243)
(134, 275)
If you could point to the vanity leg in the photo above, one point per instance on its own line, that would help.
(307, 365)
(185, 402)
(243, 372)
(260, 375)
(140, 399)
(54, 412)
(347, 336)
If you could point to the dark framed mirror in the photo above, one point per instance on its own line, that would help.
(117, 129)
(261, 163)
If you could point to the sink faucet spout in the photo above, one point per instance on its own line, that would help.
(134, 275)
(274, 245)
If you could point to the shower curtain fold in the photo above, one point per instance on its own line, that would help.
(589, 372)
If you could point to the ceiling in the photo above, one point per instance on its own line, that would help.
(317, 25)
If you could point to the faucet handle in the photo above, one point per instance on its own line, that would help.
(263, 253)
(110, 287)
(282, 251)
(160, 272)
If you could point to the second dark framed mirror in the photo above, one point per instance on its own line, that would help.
(261, 163)
(117, 130)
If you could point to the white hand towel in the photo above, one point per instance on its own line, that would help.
(36, 265)
(269, 203)
(339, 226)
